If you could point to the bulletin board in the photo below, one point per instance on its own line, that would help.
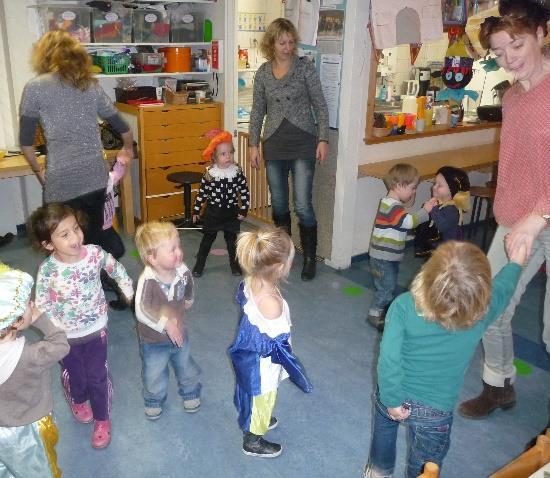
(320, 25)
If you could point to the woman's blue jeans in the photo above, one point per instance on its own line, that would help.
(429, 438)
(303, 171)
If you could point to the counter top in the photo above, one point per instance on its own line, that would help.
(17, 166)
(471, 158)
(434, 130)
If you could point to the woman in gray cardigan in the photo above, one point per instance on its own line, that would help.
(287, 93)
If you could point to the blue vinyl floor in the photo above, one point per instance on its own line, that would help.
(325, 433)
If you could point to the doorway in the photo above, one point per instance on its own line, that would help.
(251, 19)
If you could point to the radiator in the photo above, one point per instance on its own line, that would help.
(260, 201)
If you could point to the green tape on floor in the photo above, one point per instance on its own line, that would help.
(523, 368)
(353, 291)
(135, 253)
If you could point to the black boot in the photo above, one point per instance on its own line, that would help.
(283, 221)
(6, 239)
(489, 400)
(255, 445)
(308, 238)
(231, 241)
(204, 249)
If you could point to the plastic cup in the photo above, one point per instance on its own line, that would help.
(420, 124)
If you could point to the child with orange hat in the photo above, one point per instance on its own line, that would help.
(224, 193)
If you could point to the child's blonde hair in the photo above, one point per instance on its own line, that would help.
(454, 287)
(149, 236)
(265, 254)
(401, 174)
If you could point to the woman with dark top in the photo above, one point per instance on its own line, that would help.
(288, 93)
(66, 100)
(522, 201)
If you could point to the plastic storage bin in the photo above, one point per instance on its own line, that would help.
(148, 62)
(187, 28)
(151, 26)
(112, 27)
(74, 19)
(113, 64)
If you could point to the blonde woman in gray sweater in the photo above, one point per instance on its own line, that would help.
(288, 94)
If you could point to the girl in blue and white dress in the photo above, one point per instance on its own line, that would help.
(261, 353)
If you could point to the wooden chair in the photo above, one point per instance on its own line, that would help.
(529, 462)
(431, 470)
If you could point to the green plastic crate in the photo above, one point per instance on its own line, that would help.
(113, 65)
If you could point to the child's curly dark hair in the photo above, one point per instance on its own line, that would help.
(45, 220)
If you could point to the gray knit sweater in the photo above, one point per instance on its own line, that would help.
(295, 97)
(69, 118)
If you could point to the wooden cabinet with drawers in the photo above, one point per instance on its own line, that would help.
(171, 138)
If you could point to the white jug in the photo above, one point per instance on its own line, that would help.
(412, 87)
(408, 104)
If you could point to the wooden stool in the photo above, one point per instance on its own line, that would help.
(431, 470)
(480, 194)
(185, 179)
(529, 462)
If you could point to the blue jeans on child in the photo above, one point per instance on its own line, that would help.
(303, 171)
(155, 372)
(384, 274)
(429, 439)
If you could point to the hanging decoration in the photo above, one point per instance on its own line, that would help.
(414, 49)
(457, 71)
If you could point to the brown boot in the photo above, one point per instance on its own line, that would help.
(489, 400)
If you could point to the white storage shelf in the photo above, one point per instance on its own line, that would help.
(161, 45)
(101, 46)
(144, 75)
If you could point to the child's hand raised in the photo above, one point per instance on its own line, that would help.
(518, 254)
(174, 332)
(430, 204)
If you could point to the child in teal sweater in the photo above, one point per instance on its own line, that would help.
(429, 338)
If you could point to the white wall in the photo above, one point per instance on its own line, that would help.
(356, 199)
(18, 30)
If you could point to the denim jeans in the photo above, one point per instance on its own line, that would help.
(497, 342)
(384, 274)
(155, 373)
(303, 171)
(429, 438)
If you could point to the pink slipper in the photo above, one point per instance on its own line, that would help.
(101, 437)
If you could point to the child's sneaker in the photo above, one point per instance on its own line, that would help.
(152, 413)
(376, 321)
(255, 445)
(101, 437)
(192, 406)
(273, 422)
